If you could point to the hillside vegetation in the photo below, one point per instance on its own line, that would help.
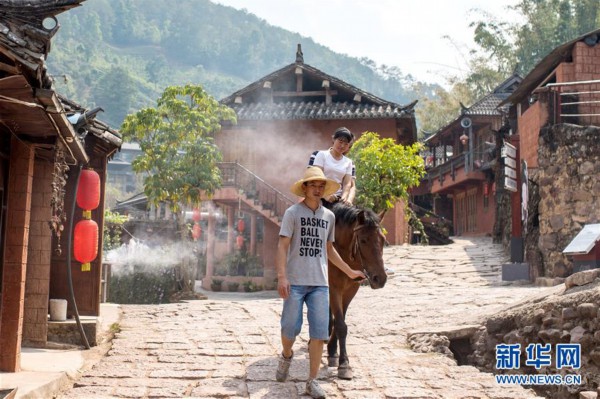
(121, 54)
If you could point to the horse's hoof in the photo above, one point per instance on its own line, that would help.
(333, 361)
(345, 373)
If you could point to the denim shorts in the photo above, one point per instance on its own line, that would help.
(317, 304)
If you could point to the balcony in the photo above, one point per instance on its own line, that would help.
(571, 102)
(461, 170)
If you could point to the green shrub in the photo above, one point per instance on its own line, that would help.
(143, 285)
(239, 264)
(250, 286)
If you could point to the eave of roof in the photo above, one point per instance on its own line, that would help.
(25, 41)
(320, 110)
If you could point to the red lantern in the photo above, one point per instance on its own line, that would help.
(241, 225)
(85, 243)
(196, 216)
(485, 189)
(239, 241)
(88, 191)
(196, 231)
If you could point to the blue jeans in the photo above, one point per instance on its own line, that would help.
(317, 304)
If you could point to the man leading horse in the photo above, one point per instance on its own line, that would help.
(304, 249)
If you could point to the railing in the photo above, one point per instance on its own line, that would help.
(483, 155)
(253, 187)
(574, 102)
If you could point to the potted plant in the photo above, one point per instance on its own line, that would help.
(233, 286)
(216, 284)
(248, 286)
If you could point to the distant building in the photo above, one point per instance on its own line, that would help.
(282, 118)
(119, 172)
(461, 165)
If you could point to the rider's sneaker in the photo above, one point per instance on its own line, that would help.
(314, 390)
(283, 368)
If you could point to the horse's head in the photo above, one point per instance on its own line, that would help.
(360, 242)
(367, 248)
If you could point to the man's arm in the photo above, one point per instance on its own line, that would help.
(283, 285)
(337, 260)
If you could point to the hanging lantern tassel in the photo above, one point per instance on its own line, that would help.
(196, 231)
(85, 243)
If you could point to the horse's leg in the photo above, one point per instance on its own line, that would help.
(332, 356)
(335, 311)
(344, 369)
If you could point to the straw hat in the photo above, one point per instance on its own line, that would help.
(315, 173)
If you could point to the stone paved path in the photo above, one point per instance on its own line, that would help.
(226, 346)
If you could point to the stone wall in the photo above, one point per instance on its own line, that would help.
(569, 190)
(570, 315)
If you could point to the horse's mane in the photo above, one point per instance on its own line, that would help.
(347, 214)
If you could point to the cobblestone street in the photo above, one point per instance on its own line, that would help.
(226, 346)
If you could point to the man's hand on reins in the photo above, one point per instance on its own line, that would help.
(357, 275)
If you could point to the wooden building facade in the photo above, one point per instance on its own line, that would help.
(44, 140)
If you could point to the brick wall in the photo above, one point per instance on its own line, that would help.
(15, 255)
(35, 326)
(586, 62)
(530, 123)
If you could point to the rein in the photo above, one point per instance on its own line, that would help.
(356, 250)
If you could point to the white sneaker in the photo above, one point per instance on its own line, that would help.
(314, 390)
(283, 368)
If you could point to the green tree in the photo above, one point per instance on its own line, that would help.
(179, 157)
(115, 93)
(547, 24)
(113, 227)
(386, 171)
(176, 137)
(440, 106)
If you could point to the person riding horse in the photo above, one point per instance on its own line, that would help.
(337, 166)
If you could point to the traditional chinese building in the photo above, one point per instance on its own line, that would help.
(461, 164)
(282, 118)
(45, 140)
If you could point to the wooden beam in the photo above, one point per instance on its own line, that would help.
(9, 68)
(303, 93)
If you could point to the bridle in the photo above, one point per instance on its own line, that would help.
(354, 244)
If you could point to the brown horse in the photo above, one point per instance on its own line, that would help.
(360, 242)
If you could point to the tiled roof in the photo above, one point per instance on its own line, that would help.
(320, 110)
(488, 105)
(310, 102)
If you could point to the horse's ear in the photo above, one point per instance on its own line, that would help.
(361, 217)
(381, 215)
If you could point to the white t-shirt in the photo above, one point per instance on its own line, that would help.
(332, 168)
